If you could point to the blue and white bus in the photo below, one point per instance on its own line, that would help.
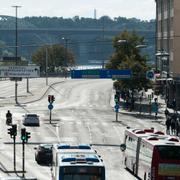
(76, 163)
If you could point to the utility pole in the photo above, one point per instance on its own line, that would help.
(16, 52)
(46, 66)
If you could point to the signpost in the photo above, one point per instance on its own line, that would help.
(101, 73)
(51, 99)
(19, 71)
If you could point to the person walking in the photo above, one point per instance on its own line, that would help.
(177, 127)
(166, 112)
(168, 124)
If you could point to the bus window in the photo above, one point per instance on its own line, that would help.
(169, 152)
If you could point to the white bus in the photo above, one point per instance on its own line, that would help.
(79, 162)
(151, 155)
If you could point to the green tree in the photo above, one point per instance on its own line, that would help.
(127, 55)
(58, 57)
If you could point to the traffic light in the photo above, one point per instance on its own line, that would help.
(116, 98)
(10, 132)
(51, 98)
(23, 134)
(13, 130)
(28, 136)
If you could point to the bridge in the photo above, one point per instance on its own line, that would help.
(88, 45)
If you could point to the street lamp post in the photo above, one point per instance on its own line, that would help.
(46, 64)
(66, 55)
(66, 46)
(164, 57)
(16, 51)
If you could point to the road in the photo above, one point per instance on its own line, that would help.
(83, 113)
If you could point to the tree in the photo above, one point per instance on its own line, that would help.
(128, 56)
(58, 57)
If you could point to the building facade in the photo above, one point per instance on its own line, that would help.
(168, 47)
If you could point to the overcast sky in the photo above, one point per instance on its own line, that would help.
(141, 9)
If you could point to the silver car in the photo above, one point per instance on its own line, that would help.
(31, 120)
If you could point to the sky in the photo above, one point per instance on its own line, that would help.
(140, 9)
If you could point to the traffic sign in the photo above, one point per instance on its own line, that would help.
(101, 73)
(116, 107)
(19, 71)
(50, 106)
(150, 74)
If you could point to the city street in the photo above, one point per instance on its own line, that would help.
(83, 113)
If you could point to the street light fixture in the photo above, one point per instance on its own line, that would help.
(16, 54)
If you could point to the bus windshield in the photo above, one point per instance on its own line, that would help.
(169, 152)
(81, 177)
(82, 173)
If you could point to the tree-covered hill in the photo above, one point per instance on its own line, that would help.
(77, 22)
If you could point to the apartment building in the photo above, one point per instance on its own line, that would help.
(168, 46)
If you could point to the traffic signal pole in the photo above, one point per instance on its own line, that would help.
(50, 114)
(116, 116)
(51, 99)
(14, 142)
(23, 158)
(13, 132)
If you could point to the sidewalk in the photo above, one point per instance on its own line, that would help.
(144, 106)
(37, 89)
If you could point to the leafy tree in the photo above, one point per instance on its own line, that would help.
(127, 55)
(58, 57)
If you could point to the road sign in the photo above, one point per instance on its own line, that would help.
(101, 73)
(150, 74)
(50, 106)
(116, 107)
(19, 71)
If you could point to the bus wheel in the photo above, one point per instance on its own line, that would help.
(144, 176)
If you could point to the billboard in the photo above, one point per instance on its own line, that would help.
(19, 71)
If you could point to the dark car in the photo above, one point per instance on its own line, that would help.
(43, 154)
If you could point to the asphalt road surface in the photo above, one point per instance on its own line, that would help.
(83, 113)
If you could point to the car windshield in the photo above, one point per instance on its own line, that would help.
(46, 147)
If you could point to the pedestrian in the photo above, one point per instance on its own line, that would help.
(166, 112)
(168, 124)
(177, 127)
(155, 107)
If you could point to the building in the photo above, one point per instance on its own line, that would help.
(168, 47)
